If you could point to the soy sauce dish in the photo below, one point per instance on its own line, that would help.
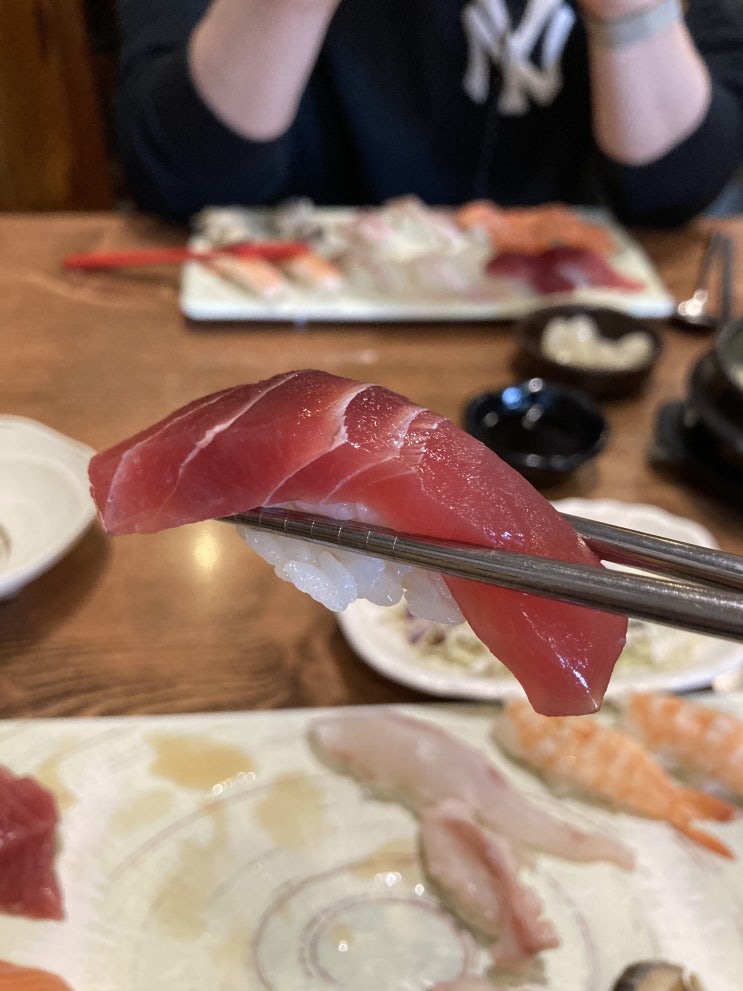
(715, 396)
(543, 430)
(601, 351)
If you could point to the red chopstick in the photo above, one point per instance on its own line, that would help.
(272, 250)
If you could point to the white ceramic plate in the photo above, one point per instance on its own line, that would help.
(206, 296)
(659, 658)
(45, 503)
(216, 852)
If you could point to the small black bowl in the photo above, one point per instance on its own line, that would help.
(716, 404)
(729, 352)
(541, 429)
(611, 324)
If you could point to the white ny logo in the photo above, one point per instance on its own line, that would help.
(491, 37)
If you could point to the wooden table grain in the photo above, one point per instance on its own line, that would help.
(189, 620)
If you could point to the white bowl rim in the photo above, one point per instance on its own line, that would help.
(29, 440)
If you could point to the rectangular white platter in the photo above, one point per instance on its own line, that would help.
(207, 296)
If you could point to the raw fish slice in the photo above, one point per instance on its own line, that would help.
(218, 454)
(28, 846)
(582, 268)
(563, 226)
(508, 230)
(370, 271)
(371, 227)
(560, 269)
(423, 228)
(437, 273)
(17, 978)
(531, 230)
(607, 764)
(528, 271)
(478, 872)
(314, 438)
(419, 764)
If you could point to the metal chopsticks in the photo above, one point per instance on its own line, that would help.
(672, 557)
(698, 596)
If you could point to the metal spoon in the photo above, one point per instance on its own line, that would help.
(693, 312)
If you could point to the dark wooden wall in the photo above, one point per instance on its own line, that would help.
(57, 66)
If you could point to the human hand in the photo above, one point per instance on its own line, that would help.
(615, 9)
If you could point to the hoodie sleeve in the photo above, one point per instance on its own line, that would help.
(175, 153)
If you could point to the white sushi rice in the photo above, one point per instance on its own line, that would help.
(336, 577)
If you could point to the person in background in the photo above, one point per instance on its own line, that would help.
(637, 104)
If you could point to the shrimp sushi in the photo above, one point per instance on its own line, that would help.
(315, 441)
(314, 271)
(258, 275)
(607, 764)
(693, 737)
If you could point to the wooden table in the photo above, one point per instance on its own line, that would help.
(189, 619)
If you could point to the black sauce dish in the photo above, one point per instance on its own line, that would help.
(715, 403)
(542, 429)
(611, 325)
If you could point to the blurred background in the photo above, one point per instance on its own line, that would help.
(58, 63)
(57, 70)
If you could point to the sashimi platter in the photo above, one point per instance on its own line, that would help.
(322, 851)
(408, 261)
(547, 843)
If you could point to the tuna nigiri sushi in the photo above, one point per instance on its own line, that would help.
(344, 448)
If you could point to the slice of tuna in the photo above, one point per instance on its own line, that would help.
(315, 438)
(559, 269)
(28, 844)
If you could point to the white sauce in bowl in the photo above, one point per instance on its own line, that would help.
(577, 341)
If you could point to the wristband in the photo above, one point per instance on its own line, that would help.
(620, 32)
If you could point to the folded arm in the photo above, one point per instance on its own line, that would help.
(250, 60)
(206, 92)
(650, 87)
(669, 134)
